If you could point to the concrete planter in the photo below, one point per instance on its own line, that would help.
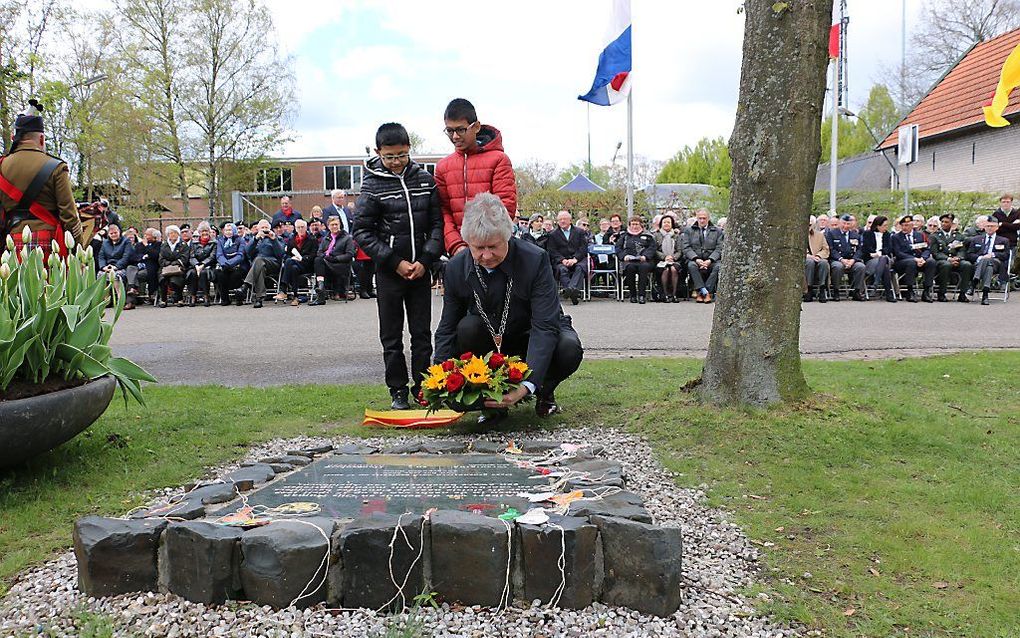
(31, 426)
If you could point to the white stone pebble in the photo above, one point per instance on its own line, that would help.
(718, 559)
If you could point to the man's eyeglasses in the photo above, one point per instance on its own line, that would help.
(459, 131)
(394, 158)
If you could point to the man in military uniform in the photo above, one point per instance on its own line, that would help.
(912, 256)
(54, 211)
(949, 249)
(845, 257)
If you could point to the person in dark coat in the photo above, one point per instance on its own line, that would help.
(286, 214)
(529, 324)
(702, 246)
(300, 261)
(117, 258)
(173, 254)
(338, 208)
(202, 269)
(989, 253)
(230, 264)
(399, 225)
(876, 253)
(912, 255)
(636, 251)
(333, 262)
(265, 252)
(568, 253)
(949, 248)
(845, 257)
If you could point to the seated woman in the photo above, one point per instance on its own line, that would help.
(300, 261)
(230, 263)
(636, 250)
(203, 263)
(877, 255)
(669, 256)
(536, 233)
(174, 260)
(333, 262)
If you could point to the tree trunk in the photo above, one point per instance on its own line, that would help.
(754, 353)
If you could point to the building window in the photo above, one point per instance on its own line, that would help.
(933, 160)
(973, 152)
(342, 177)
(274, 180)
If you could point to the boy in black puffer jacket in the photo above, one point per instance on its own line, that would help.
(399, 225)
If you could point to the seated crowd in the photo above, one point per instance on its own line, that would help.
(673, 260)
(909, 253)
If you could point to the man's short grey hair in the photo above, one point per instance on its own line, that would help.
(338, 193)
(172, 229)
(300, 223)
(485, 218)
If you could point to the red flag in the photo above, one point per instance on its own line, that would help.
(834, 41)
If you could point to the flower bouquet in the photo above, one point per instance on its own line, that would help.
(465, 383)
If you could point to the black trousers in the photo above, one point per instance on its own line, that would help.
(337, 275)
(364, 271)
(396, 296)
(292, 272)
(909, 268)
(229, 278)
(199, 281)
(473, 336)
(639, 269)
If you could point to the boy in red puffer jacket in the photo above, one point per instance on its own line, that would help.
(477, 165)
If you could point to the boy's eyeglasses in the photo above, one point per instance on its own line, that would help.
(459, 131)
(394, 158)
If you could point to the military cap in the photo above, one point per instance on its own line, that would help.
(949, 216)
(845, 218)
(906, 218)
(31, 120)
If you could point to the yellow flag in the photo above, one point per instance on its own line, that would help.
(1009, 79)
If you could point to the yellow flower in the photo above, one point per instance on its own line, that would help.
(435, 382)
(437, 371)
(476, 371)
(519, 366)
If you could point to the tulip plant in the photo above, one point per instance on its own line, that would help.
(52, 319)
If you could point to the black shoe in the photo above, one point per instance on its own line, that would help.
(926, 296)
(546, 406)
(641, 300)
(257, 304)
(364, 295)
(963, 298)
(162, 304)
(984, 297)
(808, 297)
(492, 417)
(890, 296)
(225, 301)
(191, 302)
(575, 297)
(399, 396)
(633, 299)
(942, 297)
(910, 296)
(856, 296)
(835, 295)
(822, 295)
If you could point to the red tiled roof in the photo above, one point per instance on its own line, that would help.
(957, 100)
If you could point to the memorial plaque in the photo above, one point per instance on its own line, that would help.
(349, 486)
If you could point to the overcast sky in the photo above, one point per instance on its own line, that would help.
(523, 63)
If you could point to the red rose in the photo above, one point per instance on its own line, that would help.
(496, 361)
(454, 382)
(448, 366)
(421, 398)
(467, 356)
(515, 375)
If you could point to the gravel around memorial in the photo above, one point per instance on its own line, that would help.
(718, 559)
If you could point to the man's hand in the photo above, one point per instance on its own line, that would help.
(669, 259)
(509, 400)
(920, 262)
(642, 258)
(847, 262)
(405, 268)
(417, 271)
(462, 247)
(955, 261)
(816, 258)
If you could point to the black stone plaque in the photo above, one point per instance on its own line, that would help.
(349, 486)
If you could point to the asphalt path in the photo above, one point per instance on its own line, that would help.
(339, 343)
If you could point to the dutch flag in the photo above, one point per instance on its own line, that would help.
(612, 79)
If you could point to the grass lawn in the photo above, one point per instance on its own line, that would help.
(888, 505)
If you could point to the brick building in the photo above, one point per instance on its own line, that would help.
(308, 181)
(957, 151)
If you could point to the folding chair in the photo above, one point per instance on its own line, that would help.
(603, 272)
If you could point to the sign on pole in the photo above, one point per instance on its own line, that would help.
(907, 151)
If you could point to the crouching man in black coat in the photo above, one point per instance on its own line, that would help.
(511, 282)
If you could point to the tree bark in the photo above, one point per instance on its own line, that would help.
(754, 352)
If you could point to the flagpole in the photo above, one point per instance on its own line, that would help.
(588, 109)
(630, 153)
(834, 155)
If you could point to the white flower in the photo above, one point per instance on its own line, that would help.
(5, 271)
(68, 241)
(26, 236)
(10, 243)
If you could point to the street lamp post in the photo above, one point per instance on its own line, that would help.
(861, 118)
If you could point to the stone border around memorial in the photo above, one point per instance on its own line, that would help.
(609, 549)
